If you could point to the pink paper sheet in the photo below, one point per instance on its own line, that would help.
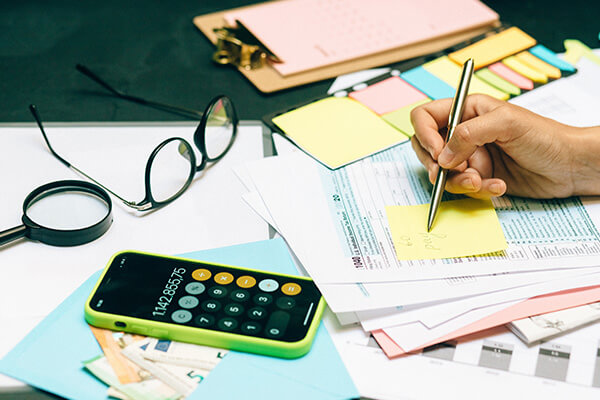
(309, 34)
(534, 306)
(388, 95)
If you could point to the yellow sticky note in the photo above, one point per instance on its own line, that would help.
(462, 228)
(529, 59)
(449, 71)
(513, 63)
(338, 130)
(494, 48)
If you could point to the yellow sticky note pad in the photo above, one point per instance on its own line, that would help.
(465, 227)
(494, 48)
(338, 130)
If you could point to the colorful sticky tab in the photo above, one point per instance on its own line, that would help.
(448, 71)
(428, 83)
(400, 118)
(491, 78)
(576, 49)
(506, 73)
(338, 130)
(551, 58)
(532, 61)
(465, 227)
(494, 48)
(388, 95)
(513, 63)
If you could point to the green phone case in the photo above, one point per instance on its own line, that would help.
(233, 341)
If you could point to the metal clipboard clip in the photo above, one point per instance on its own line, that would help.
(239, 47)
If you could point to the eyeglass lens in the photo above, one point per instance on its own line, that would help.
(219, 128)
(170, 170)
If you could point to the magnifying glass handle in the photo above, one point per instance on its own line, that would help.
(11, 234)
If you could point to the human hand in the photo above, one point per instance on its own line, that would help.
(498, 148)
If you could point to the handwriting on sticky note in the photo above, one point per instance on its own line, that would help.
(465, 227)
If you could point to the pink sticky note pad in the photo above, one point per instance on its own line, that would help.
(513, 77)
(388, 95)
(534, 306)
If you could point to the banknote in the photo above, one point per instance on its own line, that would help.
(147, 389)
(185, 354)
(543, 326)
(182, 379)
(112, 343)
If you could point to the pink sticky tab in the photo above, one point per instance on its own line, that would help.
(388, 95)
(513, 77)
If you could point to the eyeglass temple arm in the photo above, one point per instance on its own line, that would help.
(167, 107)
(36, 115)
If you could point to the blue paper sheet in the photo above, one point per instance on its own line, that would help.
(50, 357)
(428, 83)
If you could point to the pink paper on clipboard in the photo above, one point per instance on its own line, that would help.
(308, 34)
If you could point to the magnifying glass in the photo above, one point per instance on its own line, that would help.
(63, 213)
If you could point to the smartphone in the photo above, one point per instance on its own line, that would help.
(206, 303)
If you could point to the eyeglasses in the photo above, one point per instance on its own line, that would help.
(172, 165)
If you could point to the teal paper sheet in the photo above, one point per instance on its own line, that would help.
(50, 356)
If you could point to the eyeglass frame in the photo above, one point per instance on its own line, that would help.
(148, 202)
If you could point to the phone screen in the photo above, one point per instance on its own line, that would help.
(207, 296)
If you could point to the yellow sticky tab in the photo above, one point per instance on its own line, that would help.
(494, 48)
(532, 61)
(338, 130)
(448, 71)
(513, 63)
(400, 118)
(465, 227)
(576, 49)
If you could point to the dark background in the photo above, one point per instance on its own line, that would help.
(151, 48)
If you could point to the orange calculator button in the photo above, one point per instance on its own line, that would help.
(201, 274)
(223, 278)
(291, 289)
(245, 281)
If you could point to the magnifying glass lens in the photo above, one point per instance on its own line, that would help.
(67, 208)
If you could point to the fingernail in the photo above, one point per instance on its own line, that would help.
(496, 188)
(446, 157)
(467, 183)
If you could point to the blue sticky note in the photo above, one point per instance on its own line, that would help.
(50, 356)
(551, 58)
(428, 83)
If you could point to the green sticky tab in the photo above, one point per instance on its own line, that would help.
(400, 119)
(492, 79)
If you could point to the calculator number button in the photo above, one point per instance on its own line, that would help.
(234, 309)
(195, 288)
(188, 302)
(245, 281)
(211, 306)
(268, 285)
(263, 299)
(285, 303)
(291, 289)
(181, 316)
(257, 313)
(277, 324)
(223, 278)
(240, 295)
(204, 320)
(251, 328)
(227, 324)
(217, 292)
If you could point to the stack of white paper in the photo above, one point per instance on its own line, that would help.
(335, 223)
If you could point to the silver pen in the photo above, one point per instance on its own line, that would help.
(456, 112)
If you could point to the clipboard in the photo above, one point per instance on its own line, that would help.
(268, 80)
